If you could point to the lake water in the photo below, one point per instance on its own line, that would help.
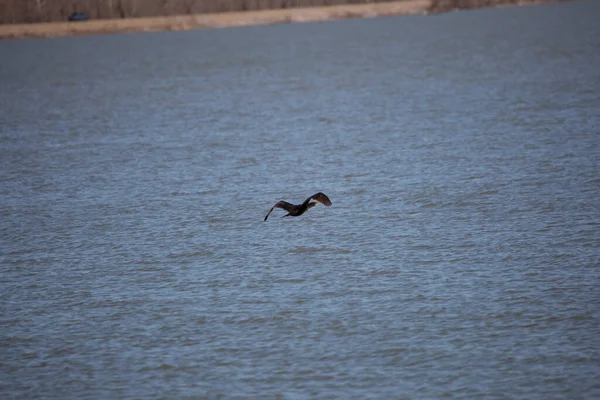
(460, 258)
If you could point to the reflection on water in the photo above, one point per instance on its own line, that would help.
(459, 257)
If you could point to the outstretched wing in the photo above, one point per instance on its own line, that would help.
(321, 198)
(281, 204)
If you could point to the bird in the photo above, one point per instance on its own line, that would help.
(297, 210)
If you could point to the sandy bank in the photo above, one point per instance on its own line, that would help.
(246, 18)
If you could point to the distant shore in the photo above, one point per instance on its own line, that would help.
(247, 18)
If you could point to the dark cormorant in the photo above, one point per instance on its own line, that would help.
(297, 210)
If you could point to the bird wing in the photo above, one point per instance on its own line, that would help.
(281, 204)
(321, 198)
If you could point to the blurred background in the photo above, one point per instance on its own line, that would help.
(29, 11)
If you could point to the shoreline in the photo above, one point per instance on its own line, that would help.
(245, 18)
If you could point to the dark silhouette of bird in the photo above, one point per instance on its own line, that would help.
(297, 210)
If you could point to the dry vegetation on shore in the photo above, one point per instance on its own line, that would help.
(32, 11)
(42, 18)
(36, 11)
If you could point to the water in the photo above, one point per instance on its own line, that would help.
(459, 258)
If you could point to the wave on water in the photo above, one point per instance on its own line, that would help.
(322, 249)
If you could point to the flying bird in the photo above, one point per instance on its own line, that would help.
(297, 210)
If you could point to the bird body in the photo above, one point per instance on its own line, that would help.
(297, 210)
